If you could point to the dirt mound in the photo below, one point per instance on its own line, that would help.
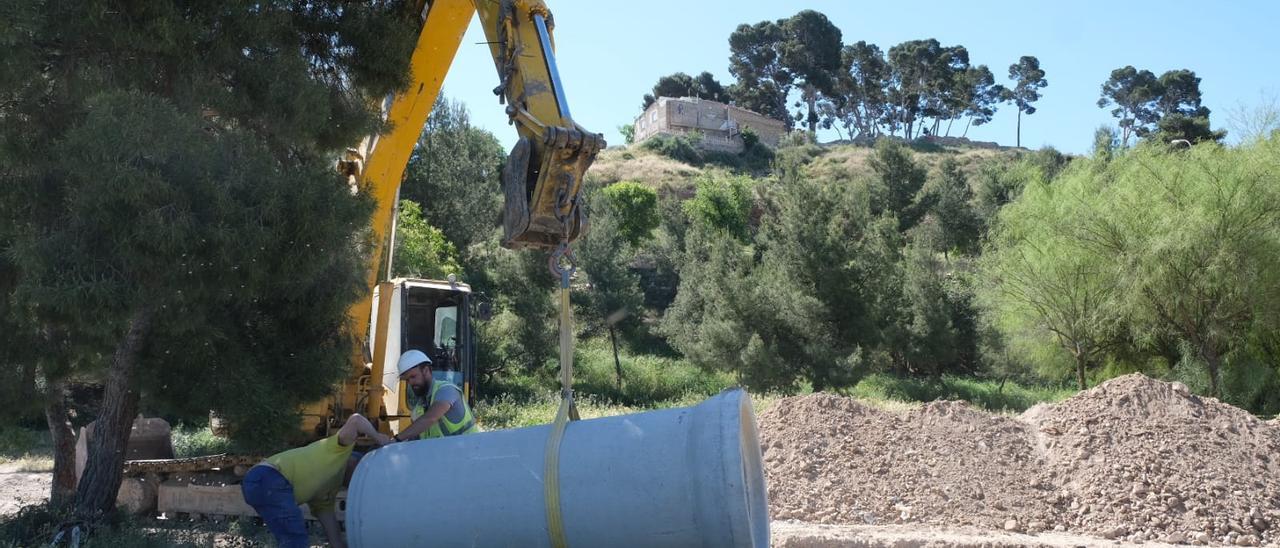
(1133, 459)
(1144, 457)
(832, 460)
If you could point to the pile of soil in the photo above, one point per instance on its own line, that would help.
(1132, 459)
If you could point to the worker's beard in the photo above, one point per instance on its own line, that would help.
(421, 392)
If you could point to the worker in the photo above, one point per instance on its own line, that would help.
(312, 475)
(445, 411)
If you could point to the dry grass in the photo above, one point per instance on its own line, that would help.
(643, 166)
(25, 450)
(26, 463)
(849, 162)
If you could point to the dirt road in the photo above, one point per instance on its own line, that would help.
(18, 489)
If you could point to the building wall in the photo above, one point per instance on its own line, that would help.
(720, 124)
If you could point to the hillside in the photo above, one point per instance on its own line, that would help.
(841, 160)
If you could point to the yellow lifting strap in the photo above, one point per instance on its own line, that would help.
(568, 409)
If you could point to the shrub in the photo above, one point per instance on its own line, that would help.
(683, 148)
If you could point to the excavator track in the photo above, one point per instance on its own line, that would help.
(191, 464)
(194, 488)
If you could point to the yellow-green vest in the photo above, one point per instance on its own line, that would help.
(444, 427)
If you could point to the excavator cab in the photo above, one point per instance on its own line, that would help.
(434, 316)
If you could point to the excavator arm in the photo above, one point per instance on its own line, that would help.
(543, 176)
(542, 179)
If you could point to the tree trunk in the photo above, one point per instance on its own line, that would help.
(96, 495)
(949, 122)
(1081, 361)
(617, 364)
(64, 445)
(812, 98)
(1213, 361)
(1019, 141)
(966, 127)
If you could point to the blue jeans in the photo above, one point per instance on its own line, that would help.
(271, 495)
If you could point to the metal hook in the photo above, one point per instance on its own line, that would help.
(562, 263)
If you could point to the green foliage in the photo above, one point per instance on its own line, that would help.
(992, 395)
(521, 334)
(453, 173)
(1196, 233)
(1253, 384)
(194, 441)
(1043, 276)
(998, 182)
(940, 322)
(193, 196)
(1105, 143)
(651, 381)
(862, 86)
(763, 83)
(703, 86)
(928, 80)
(213, 236)
(628, 132)
(900, 179)
(799, 305)
(756, 156)
(750, 139)
(17, 442)
(1166, 108)
(948, 211)
(1202, 235)
(684, 148)
(421, 249)
(613, 300)
(1048, 162)
(1028, 79)
(636, 208)
(723, 203)
(810, 51)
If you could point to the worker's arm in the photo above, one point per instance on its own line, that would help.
(356, 424)
(332, 531)
(433, 414)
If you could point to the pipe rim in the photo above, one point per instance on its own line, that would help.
(750, 466)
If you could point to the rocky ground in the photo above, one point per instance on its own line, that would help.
(19, 488)
(1133, 459)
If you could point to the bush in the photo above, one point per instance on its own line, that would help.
(194, 441)
(991, 395)
(723, 204)
(16, 442)
(648, 380)
(683, 148)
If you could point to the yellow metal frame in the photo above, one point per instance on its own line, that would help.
(543, 177)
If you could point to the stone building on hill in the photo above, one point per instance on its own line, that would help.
(721, 125)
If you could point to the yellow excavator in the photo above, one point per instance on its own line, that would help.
(542, 182)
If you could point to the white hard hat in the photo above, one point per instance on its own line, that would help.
(412, 359)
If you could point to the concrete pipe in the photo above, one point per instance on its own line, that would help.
(690, 476)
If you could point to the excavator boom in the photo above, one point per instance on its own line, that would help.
(542, 179)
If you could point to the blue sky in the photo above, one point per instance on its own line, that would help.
(611, 53)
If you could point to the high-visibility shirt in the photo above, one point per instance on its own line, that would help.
(458, 420)
(315, 471)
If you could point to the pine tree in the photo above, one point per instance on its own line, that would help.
(170, 204)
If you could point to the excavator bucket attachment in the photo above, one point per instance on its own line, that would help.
(542, 200)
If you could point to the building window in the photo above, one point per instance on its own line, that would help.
(653, 116)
